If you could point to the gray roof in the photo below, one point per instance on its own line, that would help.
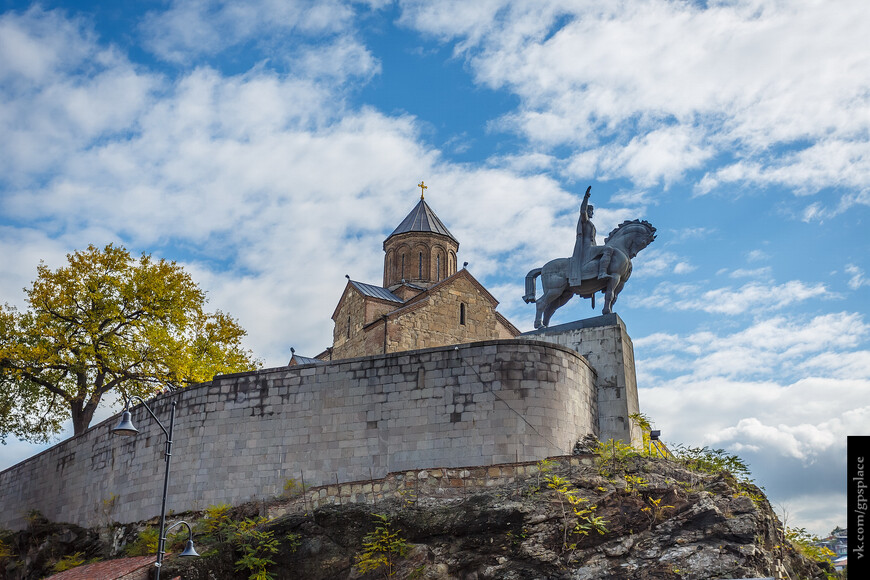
(306, 360)
(376, 292)
(422, 219)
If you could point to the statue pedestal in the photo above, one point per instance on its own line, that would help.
(604, 342)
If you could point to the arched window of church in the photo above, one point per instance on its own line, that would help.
(389, 267)
(462, 313)
(348, 326)
(403, 266)
(420, 267)
(438, 268)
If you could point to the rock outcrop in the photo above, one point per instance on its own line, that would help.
(572, 518)
(661, 520)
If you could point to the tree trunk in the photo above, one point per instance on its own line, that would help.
(82, 416)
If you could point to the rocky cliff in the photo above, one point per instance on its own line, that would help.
(586, 519)
(645, 519)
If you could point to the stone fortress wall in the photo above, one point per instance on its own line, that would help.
(241, 436)
(604, 342)
(407, 486)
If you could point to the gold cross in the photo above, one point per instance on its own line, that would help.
(422, 187)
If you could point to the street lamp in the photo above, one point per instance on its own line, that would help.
(125, 427)
(189, 550)
(654, 436)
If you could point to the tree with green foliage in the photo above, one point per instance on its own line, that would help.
(257, 546)
(107, 322)
(382, 548)
(809, 545)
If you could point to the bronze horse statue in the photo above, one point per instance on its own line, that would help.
(623, 244)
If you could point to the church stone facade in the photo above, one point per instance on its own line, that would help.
(425, 301)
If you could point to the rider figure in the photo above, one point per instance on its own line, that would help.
(585, 243)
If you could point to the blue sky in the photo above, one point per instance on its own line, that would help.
(270, 146)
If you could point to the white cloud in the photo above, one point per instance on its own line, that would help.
(757, 256)
(781, 388)
(37, 44)
(22, 249)
(346, 58)
(649, 90)
(660, 155)
(728, 300)
(684, 268)
(838, 365)
(857, 279)
(655, 262)
(799, 441)
(792, 433)
(693, 233)
(60, 91)
(764, 347)
(190, 28)
(751, 273)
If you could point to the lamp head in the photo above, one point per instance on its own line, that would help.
(189, 551)
(125, 426)
(654, 435)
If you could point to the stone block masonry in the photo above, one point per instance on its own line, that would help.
(440, 482)
(604, 342)
(240, 437)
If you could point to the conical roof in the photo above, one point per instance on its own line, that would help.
(422, 219)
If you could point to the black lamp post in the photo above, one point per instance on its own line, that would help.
(189, 550)
(125, 427)
(654, 436)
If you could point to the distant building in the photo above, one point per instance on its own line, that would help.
(425, 300)
(837, 542)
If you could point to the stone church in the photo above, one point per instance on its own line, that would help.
(425, 300)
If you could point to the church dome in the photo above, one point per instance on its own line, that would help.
(422, 219)
(420, 251)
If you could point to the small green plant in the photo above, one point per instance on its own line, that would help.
(108, 506)
(257, 546)
(381, 548)
(751, 491)
(656, 510)
(69, 561)
(545, 466)
(584, 518)
(217, 523)
(34, 517)
(646, 427)
(294, 540)
(633, 483)
(806, 544)
(5, 548)
(145, 543)
(409, 496)
(713, 461)
(293, 487)
(718, 461)
(613, 457)
(249, 539)
(518, 538)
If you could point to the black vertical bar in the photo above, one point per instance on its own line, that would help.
(858, 452)
(161, 541)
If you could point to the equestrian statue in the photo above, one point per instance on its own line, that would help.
(592, 268)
